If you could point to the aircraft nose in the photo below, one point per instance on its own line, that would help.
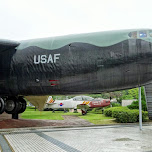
(6, 44)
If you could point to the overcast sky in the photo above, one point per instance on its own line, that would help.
(27, 19)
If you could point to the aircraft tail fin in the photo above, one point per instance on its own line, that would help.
(50, 100)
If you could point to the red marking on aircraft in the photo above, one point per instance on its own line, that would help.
(53, 84)
(53, 80)
(61, 104)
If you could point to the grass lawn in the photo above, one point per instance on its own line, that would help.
(30, 113)
(98, 119)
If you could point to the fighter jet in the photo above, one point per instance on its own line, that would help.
(74, 64)
(78, 102)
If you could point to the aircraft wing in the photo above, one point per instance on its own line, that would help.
(37, 101)
(84, 104)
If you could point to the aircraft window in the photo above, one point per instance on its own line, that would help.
(87, 98)
(142, 34)
(78, 98)
(90, 98)
(150, 33)
(133, 34)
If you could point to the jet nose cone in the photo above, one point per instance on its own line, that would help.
(7, 44)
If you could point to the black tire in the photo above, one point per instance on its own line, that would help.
(23, 104)
(2, 106)
(12, 105)
(84, 112)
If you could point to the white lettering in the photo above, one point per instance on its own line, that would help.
(56, 57)
(36, 61)
(50, 59)
(46, 59)
(43, 59)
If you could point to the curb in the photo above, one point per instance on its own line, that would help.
(9, 145)
(59, 127)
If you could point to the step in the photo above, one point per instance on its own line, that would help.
(149, 109)
(148, 96)
(148, 90)
(149, 102)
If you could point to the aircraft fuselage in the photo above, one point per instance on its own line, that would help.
(73, 64)
(76, 68)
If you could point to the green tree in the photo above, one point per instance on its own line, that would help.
(133, 93)
(135, 105)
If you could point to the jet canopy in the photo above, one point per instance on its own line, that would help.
(141, 34)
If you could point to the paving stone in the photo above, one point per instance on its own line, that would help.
(31, 142)
(85, 139)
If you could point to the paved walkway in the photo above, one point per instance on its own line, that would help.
(86, 139)
(5, 116)
(69, 121)
(7, 122)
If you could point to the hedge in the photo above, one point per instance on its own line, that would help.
(115, 104)
(125, 115)
(135, 105)
(108, 112)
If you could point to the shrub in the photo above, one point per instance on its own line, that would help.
(97, 111)
(108, 111)
(127, 115)
(115, 104)
(144, 115)
(135, 105)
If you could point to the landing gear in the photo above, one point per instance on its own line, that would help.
(53, 111)
(65, 111)
(13, 105)
(15, 116)
(2, 106)
(84, 112)
(22, 104)
(75, 111)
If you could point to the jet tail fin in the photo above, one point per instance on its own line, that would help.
(50, 100)
(148, 96)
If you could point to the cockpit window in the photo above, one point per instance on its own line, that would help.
(87, 98)
(150, 33)
(77, 98)
(133, 34)
(142, 34)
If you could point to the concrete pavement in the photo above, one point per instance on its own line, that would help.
(91, 139)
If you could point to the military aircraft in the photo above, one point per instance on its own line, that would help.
(74, 64)
(78, 102)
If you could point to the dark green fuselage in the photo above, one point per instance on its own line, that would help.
(76, 67)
